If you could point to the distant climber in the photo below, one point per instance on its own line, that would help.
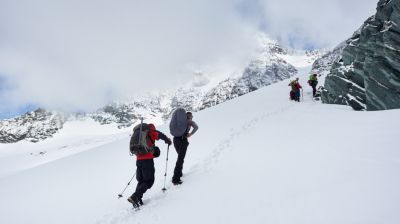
(295, 92)
(313, 82)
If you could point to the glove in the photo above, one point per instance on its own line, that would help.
(156, 152)
(169, 142)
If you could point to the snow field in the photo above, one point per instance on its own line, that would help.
(259, 158)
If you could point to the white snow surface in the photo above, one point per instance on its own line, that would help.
(259, 158)
(75, 137)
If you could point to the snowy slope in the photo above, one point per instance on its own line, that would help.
(255, 159)
(75, 137)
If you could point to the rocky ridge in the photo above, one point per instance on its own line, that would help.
(367, 74)
(33, 126)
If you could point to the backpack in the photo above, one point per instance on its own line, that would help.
(292, 84)
(310, 82)
(140, 139)
(179, 123)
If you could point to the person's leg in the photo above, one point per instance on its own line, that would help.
(314, 89)
(298, 95)
(139, 177)
(134, 199)
(146, 177)
(181, 145)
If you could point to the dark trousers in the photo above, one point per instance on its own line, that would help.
(314, 89)
(145, 176)
(297, 95)
(181, 144)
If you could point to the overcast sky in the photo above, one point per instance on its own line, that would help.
(79, 55)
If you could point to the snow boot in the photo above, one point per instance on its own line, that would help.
(136, 202)
(177, 182)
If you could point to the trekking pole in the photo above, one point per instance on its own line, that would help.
(120, 195)
(166, 166)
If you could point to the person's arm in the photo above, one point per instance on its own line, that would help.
(195, 128)
(163, 137)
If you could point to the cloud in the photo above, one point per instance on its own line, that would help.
(79, 55)
(82, 54)
(313, 23)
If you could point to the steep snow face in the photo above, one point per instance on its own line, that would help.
(259, 158)
(273, 63)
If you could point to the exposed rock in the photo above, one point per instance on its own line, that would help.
(367, 75)
(33, 126)
(324, 63)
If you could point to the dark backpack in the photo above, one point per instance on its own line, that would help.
(140, 140)
(179, 123)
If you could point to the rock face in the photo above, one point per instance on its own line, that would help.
(324, 63)
(127, 113)
(33, 126)
(367, 75)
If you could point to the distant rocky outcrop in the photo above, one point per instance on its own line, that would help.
(33, 126)
(323, 64)
(367, 74)
(124, 114)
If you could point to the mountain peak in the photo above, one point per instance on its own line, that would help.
(272, 63)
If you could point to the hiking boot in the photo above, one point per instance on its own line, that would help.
(135, 201)
(177, 182)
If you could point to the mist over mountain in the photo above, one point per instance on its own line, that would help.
(269, 66)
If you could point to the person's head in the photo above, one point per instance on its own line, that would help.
(315, 74)
(297, 79)
(152, 127)
(189, 115)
